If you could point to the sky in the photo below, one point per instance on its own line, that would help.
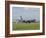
(26, 13)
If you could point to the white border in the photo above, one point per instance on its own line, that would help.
(25, 31)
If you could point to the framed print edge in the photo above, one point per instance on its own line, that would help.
(7, 18)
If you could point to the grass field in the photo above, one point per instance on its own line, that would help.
(26, 26)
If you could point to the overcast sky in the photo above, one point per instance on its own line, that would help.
(26, 13)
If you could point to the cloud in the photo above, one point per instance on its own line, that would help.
(26, 8)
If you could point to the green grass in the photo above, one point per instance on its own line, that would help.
(26, 26)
